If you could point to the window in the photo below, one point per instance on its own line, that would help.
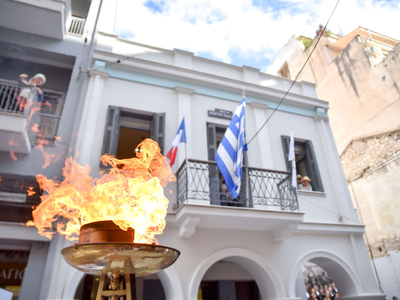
(215, 134)
(306, 161)
(284, 70)
(50, 114)
(125, 129)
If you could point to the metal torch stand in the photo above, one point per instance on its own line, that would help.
(121, 287)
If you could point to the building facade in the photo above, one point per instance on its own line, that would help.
(253, 247)
(358, 75)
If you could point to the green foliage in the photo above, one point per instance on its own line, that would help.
(306, 42)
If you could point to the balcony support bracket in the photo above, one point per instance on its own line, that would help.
(284, 231)
(188, 227)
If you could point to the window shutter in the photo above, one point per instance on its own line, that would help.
(213, 171)
(158, 130)
(285, 145)
(312, 168)
(211, 141)
(110, 141)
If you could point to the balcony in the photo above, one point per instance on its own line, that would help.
(267, 201)
(19, 119)
(76, 26)
(45, 17)
(266, 189)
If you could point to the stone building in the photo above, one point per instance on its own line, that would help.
(358, 74)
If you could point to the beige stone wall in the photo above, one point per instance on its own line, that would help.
(364, 114)
(372, 167)
(363, 99)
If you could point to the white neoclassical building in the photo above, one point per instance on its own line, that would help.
(252, 247)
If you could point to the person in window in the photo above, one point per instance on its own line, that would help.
(299, 180)
(305, 186)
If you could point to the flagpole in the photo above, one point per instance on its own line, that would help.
(187, 172)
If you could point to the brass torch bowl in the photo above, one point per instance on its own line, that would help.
(104, 248)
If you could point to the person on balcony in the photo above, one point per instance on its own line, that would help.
(305, 186)
(36, 81)
(224, 196)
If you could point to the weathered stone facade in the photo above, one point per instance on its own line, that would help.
(359, 75)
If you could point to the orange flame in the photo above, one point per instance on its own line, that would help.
(12, 154)
(131, 195)
(30, 191)
(13, 143)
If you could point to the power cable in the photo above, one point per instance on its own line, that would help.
(294, 81)
(267, 12)
(323, 208)
(283, 7)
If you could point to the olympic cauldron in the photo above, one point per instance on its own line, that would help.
(105, 250)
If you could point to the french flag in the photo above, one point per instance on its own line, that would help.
(180, 137)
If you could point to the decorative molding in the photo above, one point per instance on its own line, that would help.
(103, 75)
(321, 114)
(250, 69)
(182, 90)
(179, 51)
(283, 232)
(313, 193)
(188, 227)
(257, 105)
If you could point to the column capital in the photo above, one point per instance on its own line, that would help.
(182, 90)
(103, 75)
(258, 105)
(321, 114)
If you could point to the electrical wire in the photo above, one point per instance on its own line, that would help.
(294, 81)
(323, 208)
(267, 12)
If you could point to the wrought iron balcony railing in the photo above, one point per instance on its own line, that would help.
(201, 182)
(16, 97)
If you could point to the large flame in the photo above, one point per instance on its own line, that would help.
(131, 194)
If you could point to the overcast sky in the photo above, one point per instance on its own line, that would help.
(246, 32)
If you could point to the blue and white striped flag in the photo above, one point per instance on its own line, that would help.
(229, 156)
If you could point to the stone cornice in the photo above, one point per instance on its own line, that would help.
(182, 90)
(103, 75)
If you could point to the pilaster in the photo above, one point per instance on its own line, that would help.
(184, 110)
(334, 167)
(263, 139)
(87, 126)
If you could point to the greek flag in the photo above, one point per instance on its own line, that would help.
(229, 156)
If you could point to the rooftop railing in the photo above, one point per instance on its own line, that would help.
(200, 182)
(77, 25)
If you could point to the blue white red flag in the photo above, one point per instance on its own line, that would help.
(229, 156)
(180, 137)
